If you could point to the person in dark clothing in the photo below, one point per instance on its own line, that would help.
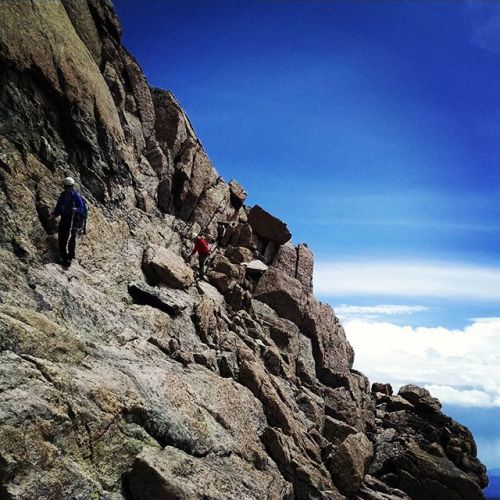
(70, 207)
(222, 233)
(201, 247)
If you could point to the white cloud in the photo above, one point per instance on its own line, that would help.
(407, 279)
(458, 366)
(464, 397)
(347, 312)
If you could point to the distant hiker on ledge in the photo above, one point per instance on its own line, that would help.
(201, 246)
(71, 208)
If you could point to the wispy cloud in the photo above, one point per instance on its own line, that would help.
(463, 397)
(347, 312)
(407, 279)
(458, 366)
(487, 35)
(484, 18)
(399, 210)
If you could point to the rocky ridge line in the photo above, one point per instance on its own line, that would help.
(123, 377)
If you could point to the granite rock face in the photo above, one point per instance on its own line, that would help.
(122, 376)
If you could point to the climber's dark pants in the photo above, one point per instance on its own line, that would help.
(67, 238)
(202, 258)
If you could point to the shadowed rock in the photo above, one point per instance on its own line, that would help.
(382, 388)
(238, 194)
(420, 398)
(350, 462)
(162, 299)
(267, 226)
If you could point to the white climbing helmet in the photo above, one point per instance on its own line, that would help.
(69, 181)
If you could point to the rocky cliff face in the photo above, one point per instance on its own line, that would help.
(123, 376)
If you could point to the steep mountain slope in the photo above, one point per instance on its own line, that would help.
(122, 376)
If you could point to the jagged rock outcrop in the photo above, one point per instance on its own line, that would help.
(120, 377)
(267, 226)
(421, 451)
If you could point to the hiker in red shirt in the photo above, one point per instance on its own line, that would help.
(201, 246)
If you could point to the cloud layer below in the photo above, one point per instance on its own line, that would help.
(408, 279)
(459, 367)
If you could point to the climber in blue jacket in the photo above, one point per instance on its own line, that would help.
(71, 208)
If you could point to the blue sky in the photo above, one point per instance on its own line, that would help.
(372, 129)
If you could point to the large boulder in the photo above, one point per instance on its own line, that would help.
(267, 226)
(219, 280)
(420, 398)
(255, 268)
(350, 463)
(238, 255)
(223, 265)
(164, 266)
(417, 441)
(193, 175)
(382, 388)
